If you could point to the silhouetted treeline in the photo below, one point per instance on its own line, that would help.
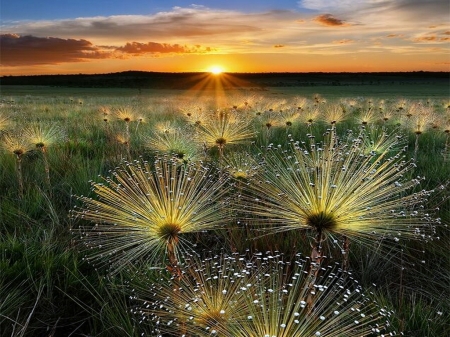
(160, 80)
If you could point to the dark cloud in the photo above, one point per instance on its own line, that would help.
(278, 46)
(422, 7)
(329, 20)
(27, 50)
(31, 50)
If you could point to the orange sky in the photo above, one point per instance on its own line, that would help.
(320, 36)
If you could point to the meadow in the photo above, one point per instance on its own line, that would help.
(283, 211)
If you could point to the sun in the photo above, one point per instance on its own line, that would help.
(215, 70)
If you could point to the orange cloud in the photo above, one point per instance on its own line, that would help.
(394, 35)
(343, 41)
(153, 47)
(329, 20)
(431, 38)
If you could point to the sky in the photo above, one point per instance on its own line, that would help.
(104, 36)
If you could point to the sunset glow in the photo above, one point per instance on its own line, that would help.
(271, 36)
(216, 70)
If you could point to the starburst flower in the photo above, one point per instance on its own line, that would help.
(43, 136)
(300, 103)
(333, 114)
(145, 210)
(16, 144)
(233, 296)
(421, 121)
(337, 188)
(240, 165)
(289, 117)
(125, 114)
(387, 114)
(310, 116)
(366, 117)
(177, 142)
(224, 128)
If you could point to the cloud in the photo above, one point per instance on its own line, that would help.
(329, 20)
(183, 23)
(27, 50)
(333, 26)
(431, 38)
(321, 5)
(163, 48)
(415, 7)
(31, 50)
(344, 41)
(393, 35)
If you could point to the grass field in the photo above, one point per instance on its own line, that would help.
(422, 91)
(283, 211)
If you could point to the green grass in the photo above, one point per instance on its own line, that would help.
(47, 287)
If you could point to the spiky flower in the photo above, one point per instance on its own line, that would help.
(177, 142)
(310, 116)
(16, 144)
(224, 128)
(366, 117)
(240, 165)
(44, 135)
(422, 120)
(125, 114)
(337, 187)
(300, 103)
(333, 114)
(145, 210)
(288, 117)
(270, 118)
(232, 296)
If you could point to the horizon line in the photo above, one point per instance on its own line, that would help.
(236, 72)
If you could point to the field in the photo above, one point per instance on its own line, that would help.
(315, 210)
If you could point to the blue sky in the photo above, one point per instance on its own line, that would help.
(68, 36)
(59, 9)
